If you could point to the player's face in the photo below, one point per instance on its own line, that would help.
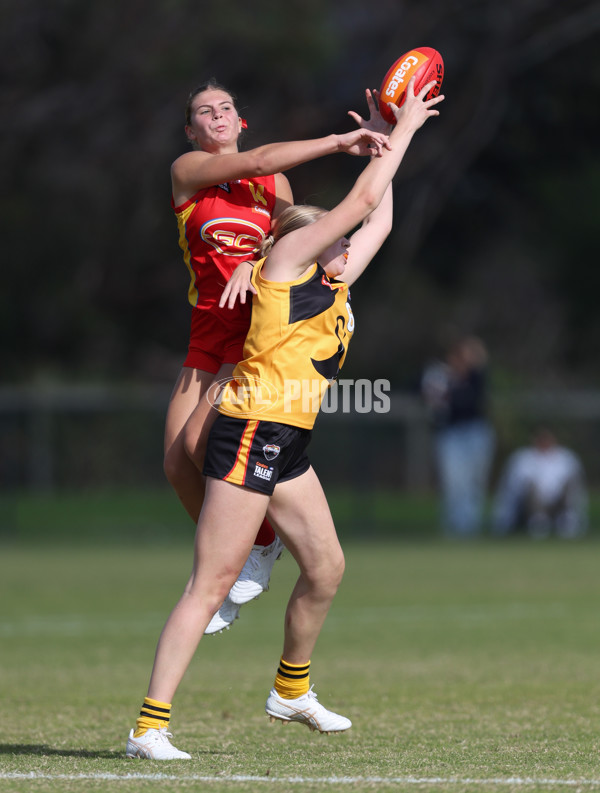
(333, 259)
(214, 122)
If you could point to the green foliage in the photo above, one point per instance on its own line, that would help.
(93, 280)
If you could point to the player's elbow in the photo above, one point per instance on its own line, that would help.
(368, 200)
(260, 165)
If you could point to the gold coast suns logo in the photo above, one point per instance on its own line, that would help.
(232, 236)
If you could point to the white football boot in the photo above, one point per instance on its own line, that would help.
(254, 577)
(307, 710)
(154, 745)
(222, 620)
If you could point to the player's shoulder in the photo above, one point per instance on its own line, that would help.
(187, 159)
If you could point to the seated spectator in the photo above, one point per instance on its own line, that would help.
(542, 489)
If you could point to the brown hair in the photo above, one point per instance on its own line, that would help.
(291, 218)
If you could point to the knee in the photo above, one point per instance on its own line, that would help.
(211, 590)
(329, 574)
(338, 568)
(177, 466)
(214, 599)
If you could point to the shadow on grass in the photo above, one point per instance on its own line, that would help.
(43, 750)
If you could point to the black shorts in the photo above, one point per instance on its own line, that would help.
(257, 454)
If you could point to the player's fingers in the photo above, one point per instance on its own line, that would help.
(224, 296)
(236, 292)
(359, 119)
(395, 110)
(378, 143)
(384, 140)
(426, 89)
(410, 88)
(377, 146)
(434, 100)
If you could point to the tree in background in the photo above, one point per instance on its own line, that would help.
(496, 225)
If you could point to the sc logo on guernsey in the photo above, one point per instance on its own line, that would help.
(232, 236)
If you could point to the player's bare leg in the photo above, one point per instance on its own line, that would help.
(181, 472)
(224, 537)
(200, 420)
(300, 512)
(190, 417)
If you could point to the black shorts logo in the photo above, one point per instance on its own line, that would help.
(263, 471)
(271, 450)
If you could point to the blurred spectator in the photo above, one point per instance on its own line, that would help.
(542, 488)
(455, 393)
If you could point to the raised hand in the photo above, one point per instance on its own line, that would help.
(376, 121)
(416, 110)
(363, 142)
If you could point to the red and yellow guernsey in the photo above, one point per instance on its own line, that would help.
(294, 350)
(219, 227)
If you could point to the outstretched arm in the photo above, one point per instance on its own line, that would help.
(197, 169)
(368, 239)
(292, 254)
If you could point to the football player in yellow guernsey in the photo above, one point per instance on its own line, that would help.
(256, 456)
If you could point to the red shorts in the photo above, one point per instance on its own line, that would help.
(217, 336)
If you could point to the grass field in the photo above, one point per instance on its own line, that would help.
(463, 667)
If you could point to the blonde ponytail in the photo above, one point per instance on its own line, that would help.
(265, 246)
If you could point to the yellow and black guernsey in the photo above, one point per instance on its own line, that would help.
(294, 350)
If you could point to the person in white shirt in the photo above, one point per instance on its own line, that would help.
(542, 489)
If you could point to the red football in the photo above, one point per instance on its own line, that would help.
(425, 63)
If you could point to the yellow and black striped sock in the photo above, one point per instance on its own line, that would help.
(153, 716)
(292, 680)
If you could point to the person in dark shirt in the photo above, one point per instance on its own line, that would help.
(455, 392)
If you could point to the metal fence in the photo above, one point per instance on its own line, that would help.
(67, 436)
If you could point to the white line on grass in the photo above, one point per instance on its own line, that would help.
(300, 780)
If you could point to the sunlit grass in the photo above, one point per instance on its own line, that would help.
(454, 661)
